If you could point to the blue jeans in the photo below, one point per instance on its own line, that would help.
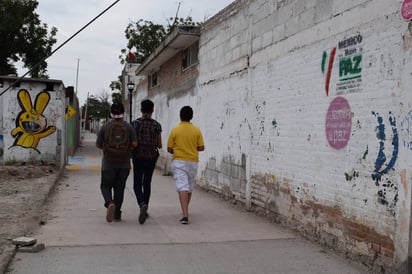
(112, 185)
(142, 179)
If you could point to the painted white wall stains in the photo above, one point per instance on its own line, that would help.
(306, 112)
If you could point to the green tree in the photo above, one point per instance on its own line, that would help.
(24, 38)
(116, 87)
(144, 36)
(174, 22)
(105, 104)
(116, 97)
(97, 107)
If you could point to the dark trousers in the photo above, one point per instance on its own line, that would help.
(113, 183)
(142, 179)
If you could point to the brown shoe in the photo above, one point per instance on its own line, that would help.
(110, 212)
(143, 214)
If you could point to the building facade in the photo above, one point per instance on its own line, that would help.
(306, 111)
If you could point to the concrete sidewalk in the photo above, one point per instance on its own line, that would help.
(220, 238)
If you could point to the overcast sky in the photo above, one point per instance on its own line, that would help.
(98, 46)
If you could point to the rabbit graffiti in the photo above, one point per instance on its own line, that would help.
(31, 124)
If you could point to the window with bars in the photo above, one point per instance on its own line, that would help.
(190, 56)
(153, 79)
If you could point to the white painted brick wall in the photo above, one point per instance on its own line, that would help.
(50, 149)
(262, 106)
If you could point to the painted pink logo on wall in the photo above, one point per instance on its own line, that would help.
(338, 123)
(406, 9)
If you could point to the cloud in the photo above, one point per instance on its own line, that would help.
(96, 48)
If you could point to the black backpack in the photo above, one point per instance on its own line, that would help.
(116, 147)
(146, 139)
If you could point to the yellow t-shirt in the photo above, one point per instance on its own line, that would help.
(185, 139)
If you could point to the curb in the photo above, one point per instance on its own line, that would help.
(7, 253)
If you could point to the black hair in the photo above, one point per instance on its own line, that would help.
(117, 108)
(147, 106)
(186, 113)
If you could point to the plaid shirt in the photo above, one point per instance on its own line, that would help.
(147, 130)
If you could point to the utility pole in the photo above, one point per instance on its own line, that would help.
(85, 112)
(77, 73)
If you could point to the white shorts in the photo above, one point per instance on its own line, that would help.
(184, 174)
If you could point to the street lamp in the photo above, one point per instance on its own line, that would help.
(130, 87)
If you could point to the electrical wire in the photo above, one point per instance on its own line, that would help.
(59, 47)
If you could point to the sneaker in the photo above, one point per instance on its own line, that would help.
(110, 212)
(117, 216)
(143, 214)
(184, 221)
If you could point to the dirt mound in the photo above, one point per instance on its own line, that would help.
(14, 173)
(23, 191)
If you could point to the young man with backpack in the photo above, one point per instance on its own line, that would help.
(148, 132)
(116, 138)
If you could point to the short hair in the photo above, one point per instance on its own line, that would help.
(117, 110)
(186, 113)
(147, 106)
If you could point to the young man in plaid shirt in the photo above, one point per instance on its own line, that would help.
(145, 155)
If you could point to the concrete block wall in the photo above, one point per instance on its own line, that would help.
(305, 109)
(306, 113)
(45, 140)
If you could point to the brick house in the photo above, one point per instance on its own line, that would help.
(170, 72)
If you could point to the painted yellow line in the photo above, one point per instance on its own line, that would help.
(79, 167)
(95, 168)
(73, 167)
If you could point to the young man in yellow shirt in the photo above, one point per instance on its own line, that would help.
(184, 142)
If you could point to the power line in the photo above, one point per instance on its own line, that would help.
(65, 42)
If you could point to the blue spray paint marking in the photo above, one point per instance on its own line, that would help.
(76, 160)
(395, 143)
(381, 159)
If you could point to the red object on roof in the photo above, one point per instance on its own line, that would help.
(131, 56)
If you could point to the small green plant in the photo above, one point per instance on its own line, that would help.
(11, 163)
